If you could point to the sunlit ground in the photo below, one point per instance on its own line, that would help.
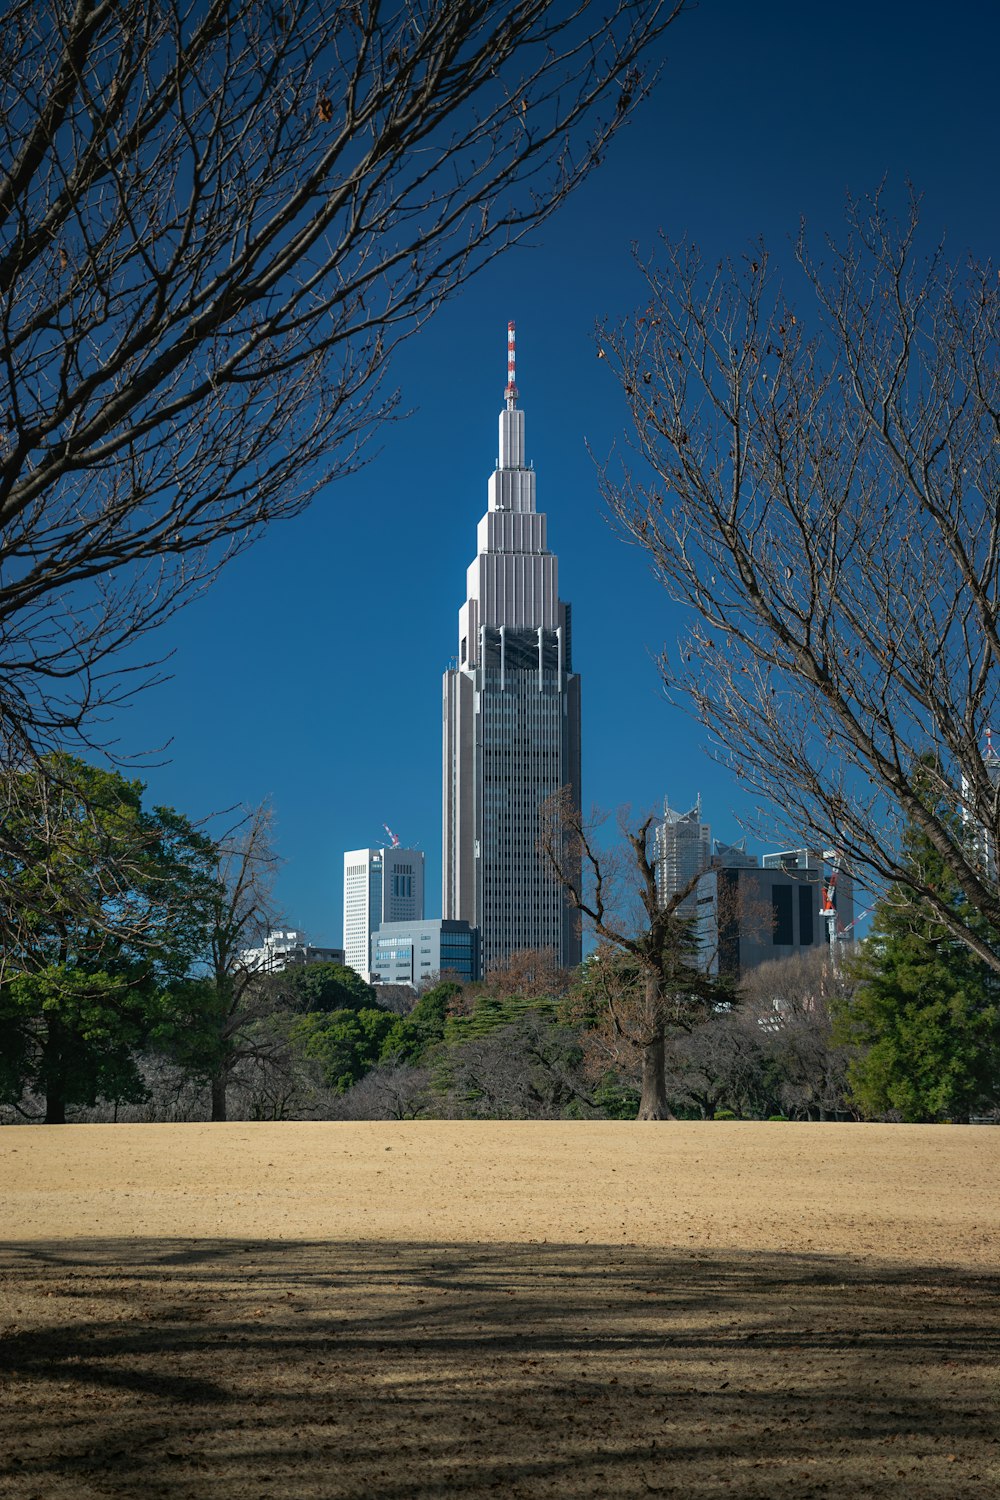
(683, 1310)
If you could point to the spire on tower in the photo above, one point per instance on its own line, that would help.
(511, 392)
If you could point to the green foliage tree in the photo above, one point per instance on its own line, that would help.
(926, 1013)
(112, 899)
(72, 1037)
(926, 1020)
(415, 1035)
(346, 1044)
(312, 988)
(491, 1013)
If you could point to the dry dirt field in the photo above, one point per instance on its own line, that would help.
(417, 1310)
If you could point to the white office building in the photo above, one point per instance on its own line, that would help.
(287, 948)
(380, 885)
(982, 834)
(511, 720)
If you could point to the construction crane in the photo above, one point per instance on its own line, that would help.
(859, 918)
(828, 905)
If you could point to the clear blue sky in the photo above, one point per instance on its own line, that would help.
(311, 673)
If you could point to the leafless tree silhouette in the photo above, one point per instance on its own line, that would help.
(216, 1027)
(824, 499)
(664, 979)
(216, 221)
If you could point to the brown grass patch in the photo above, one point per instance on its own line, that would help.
(570, 1310)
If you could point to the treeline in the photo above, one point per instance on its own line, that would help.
(319, 1043)
(125, 994)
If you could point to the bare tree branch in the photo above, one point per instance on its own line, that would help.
(215, 1028)
(216, 222)
(825, 502)
(615, 892)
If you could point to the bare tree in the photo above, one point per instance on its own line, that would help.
(391, 1091)
(792, 1001)
(609, 1004)
(823, 498)
(722, 1065)
(272, 1081)
(216, 221)
(615, 892)
(399, 998)
(217, 1025)
(774, 1051)
(529, 1069)
(533, 972)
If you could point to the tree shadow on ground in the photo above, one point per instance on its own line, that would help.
(182, 1368)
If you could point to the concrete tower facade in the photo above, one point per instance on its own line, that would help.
(511, 720)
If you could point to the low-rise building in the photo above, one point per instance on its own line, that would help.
(412, 952)
(749, 914)
(286, 948)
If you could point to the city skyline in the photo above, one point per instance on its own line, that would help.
(279, 677)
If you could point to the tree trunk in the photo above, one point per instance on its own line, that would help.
(219, 1097)
(55, 1105)
(53, 1072)
(653, 1100)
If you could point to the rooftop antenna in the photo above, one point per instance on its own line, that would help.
(511, 392)
(395, 840)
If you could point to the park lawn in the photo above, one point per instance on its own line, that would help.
(566, 1309)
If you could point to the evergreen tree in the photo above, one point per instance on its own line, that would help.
(926, 1013)
(112, 899)
(326, 987)
(346, 1044)
(415, 1035)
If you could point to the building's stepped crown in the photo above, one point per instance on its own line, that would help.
(514, 580)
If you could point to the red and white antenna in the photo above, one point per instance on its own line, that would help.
(395, 840)
(511, 391)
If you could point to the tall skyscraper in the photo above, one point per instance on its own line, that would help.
(511, 720)
(683, 849)
(380, 885)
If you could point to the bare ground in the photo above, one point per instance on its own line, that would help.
(346, 1310)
